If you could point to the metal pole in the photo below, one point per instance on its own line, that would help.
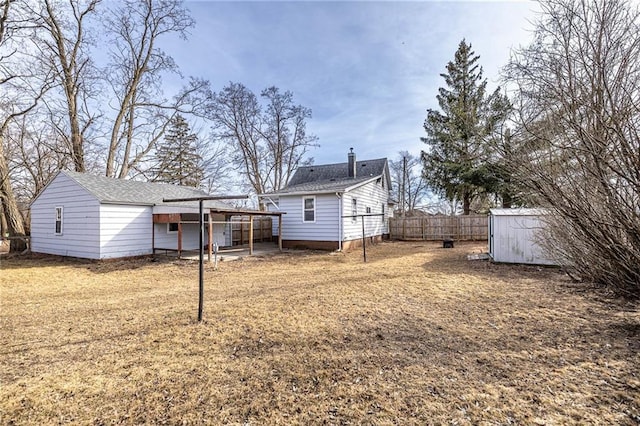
(201, 222)
(364, 245)
(201, 298)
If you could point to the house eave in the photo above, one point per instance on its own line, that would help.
(296, 193)
(359, 184)
(341, 190)
(126, 203)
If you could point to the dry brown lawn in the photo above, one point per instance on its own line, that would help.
(418, 335)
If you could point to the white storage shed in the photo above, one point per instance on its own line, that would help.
(513, 236)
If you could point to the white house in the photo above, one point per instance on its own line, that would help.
(96, 217)
(327, 205)
(514, 236)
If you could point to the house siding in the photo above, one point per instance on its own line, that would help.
(372, 195)
(125, 230)
(80, 222)
(324, 228)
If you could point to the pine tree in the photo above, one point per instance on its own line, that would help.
(179, 161)
(458, 136)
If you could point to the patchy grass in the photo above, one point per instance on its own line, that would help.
(418, 335)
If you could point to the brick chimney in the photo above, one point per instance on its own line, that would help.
(351, 165)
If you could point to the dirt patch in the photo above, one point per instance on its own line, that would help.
(417, 335)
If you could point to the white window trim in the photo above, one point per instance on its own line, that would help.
(313, 197)
(61, 209)
(172, 232)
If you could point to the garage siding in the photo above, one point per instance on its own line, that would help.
(80, 220)
(125, 230)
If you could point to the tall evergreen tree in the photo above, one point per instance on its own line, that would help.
(458, 136)
(179, 161)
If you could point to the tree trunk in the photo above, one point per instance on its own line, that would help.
(466, 204)
(4, 228)
(14, 220)
(506, 200)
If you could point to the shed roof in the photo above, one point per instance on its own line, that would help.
(122, 191)
(332, 177)
(519, 212)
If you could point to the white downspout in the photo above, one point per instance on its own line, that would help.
(339, 221)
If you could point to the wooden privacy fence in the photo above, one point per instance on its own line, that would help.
(432, 228)
(240, 230)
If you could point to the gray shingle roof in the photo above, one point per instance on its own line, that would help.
(326, 172)
(121, 191)
(332, 177)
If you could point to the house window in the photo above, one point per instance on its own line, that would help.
(309, 209)
(368, 210)
(172, 227)
(354, 208)
(58, 220)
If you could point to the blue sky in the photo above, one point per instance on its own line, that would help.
(368, 70)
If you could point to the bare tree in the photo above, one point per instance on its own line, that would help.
(36, 152)
(236, 115)
(408, 182)
(271, 142)
(61, 35)
(218, 174)
(285, 135)
(578, 98)
(20, 92)
(142, 115)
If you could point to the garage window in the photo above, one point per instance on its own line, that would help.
(58, 220)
